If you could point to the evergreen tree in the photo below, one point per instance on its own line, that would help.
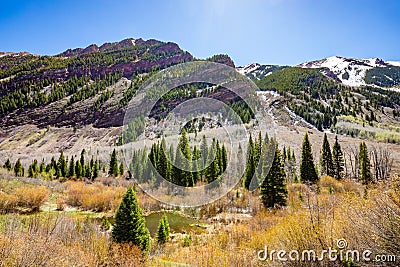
(326, 158)
(129, 225)
(71, 168)
(121, 168)
(307, 167)
(114, 170)
(18, 168)
(250, 164)
(365, 164)
(177, 172)
(82, 159)
(195, 166)
(62, 165)
(338, 160)
(204, 151)
(273, 188)
(78, 169)
(224, 158)
(163, 230)
(213, 169)
(257, 149)
(95, 170)
(284, 153)
(7, 165)
(163, 166)
(88, 171)
(42, 167)
(54, 165)
(183, 146)
(33, 169)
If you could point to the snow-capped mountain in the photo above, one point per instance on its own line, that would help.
(356, 72)
(258, 71)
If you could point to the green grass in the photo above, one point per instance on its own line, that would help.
(177, 223)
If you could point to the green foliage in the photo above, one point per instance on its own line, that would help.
(62, 165)
(78, 169)
(273, 188)
(385, 77)
(365, 164)
(308, 172)
(187, 241)
(114, 170)
(33, 169)
(163, 230)
(251, 163)
(121, 168)
(7, 165)
(71, 168)
(338, 160)
(326, 158)
(29, 75)
(134, 128)
(129, 225)
(18, 168)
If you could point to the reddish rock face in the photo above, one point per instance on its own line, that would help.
(146, 55)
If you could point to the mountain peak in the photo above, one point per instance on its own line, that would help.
(108, 46)
(349, 71)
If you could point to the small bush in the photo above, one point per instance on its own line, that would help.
(329, 182)
(93, 197)
(31, 197)
(7, 202)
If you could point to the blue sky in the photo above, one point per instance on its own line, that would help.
(266, 31)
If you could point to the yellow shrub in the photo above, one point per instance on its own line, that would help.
(31, 197)
(7, 202)
(96, 197)
(330, 182)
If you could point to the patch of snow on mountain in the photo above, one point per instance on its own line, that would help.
(355, 69)
(263, 94)
(297, 118)
(394, 63)
(248, 68)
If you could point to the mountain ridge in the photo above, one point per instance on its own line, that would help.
(92, 86)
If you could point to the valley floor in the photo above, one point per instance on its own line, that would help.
(67, 224)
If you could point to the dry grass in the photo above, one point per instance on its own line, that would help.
(61, 241)
(94, 197)
(316, 220)
(25, 197)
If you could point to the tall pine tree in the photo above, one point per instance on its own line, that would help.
(365, 165)
(250, 163)
(307, 167)
(71, 169)
(326, 158)
(114, 170)
(62, 165)
(338, 160)
(273, 188)
(129, 225)
(163, 230)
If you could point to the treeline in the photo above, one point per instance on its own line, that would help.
(28, 75)
(33, 94)
(203, 164)
(76, 167)
(320, 101)
(98, 85)
(272, 169)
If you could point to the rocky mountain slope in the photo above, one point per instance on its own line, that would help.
(91, 87)
(76, 87)
(358, 72)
